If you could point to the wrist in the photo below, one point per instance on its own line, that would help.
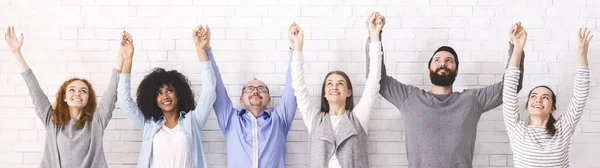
(16, 52)
(297, 47)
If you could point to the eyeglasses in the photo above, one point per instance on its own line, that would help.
(261, 89)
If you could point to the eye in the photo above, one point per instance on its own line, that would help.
(159, 92)
(341, 83)
(83, 91)
(169, 91)
(546, 97)
(532, 96)
(329, 83)
(71, 90)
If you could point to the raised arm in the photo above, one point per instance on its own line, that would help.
(365, 106)
(491, 96)
(307, 108)
(391, 89)
(512, 118)
(581, 86)
(207, 97)
(128, 106)
(40, 100)
(287, 102)
(223, 107)
(106, 105)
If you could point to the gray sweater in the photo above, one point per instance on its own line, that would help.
(69, 147)
(440, 130)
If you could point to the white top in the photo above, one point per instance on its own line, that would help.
(362, 110)
(170, 149)
(531, 145)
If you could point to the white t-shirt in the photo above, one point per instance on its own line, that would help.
(335, 121)
(170, 149)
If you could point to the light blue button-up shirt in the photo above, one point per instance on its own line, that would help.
(191, 122)
(254, 142)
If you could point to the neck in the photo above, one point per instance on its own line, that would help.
(441, 90)
(172, 118)
(538, 120)
(75, 113)
(336, 108)
(256, 110)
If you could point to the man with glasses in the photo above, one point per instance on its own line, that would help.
(255, 136)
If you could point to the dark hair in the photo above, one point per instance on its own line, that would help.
(550, 125)
(60, 113)
(147, 92)
(447, 49)
(349, 100)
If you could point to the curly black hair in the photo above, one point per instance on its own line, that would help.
(147, 92)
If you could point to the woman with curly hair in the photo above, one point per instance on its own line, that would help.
(75, 124)
(171, 122)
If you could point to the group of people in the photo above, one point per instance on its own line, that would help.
(440, 124)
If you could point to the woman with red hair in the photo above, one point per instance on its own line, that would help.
(75, 124)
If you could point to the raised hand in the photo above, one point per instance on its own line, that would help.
(375, 24)
(126, 50)
(515, 29)
(201, 38)
(14, 44)
(583, 41)
(296, 37)
(518, 36)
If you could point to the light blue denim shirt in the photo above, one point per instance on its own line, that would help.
(255, 142)
(192, 122)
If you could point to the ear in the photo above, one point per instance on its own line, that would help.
(349, 93)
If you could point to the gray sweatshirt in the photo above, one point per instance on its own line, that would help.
(440, 130)
(68, 147)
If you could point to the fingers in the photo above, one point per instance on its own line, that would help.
(195, 32)
(207, 30)
(587, 33)
(22, 38)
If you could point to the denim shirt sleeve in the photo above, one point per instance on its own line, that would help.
(207, 95)
(223, 107)
(287, 102)
(128, 106)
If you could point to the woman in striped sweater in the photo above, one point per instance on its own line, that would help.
(543, 141)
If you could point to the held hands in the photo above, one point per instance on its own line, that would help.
(375, 24)
(14, 44)
(126, 50)
(296, 37)
(517, 35)
(201, 38)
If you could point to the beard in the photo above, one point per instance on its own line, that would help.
(257, 102)
(442, 80)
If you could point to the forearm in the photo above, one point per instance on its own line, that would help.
(202, 56)
(582, 58)
(515, 59)
(119, 63)
(126, 66)
(21, 63)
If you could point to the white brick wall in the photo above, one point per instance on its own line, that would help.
(66, 38)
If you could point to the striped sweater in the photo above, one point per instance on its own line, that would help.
(531, 145)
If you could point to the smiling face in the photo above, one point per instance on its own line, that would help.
(541, 102)
(336, 89)
(443, 69)
(77, 94)
(166, 98)
(255, 95)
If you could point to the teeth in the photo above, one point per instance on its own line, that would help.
(166, 102)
